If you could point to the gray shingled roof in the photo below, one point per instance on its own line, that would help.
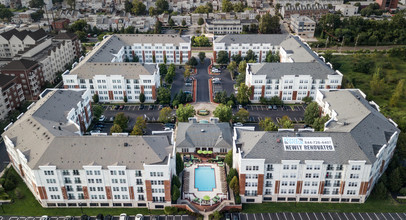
(298, 51)
(267, 145)
(198, 135)
(22, 64)
(33, 134)
(87, 70)
(277, 70)
(274, 39)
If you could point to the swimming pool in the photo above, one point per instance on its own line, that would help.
(204, 178)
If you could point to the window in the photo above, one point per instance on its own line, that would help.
(354, 176)
(352, 184)
(248, 168)
(122, 181)
(293, 167)
(307, 183)
(284, 183)
(89, 172)
(308, 175)
(49, 172)
(52, 189)
(286, 167)
(350, 192)
(356, 167)
(113, 172)
(114, 180)
(90, 180)
(315, 175)
(316, 167)
(309, 167)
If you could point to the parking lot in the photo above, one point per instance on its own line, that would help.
(180, 84)
(160, 217)
(323, 216)
(223, 82)
(260, 112)
(132, 111)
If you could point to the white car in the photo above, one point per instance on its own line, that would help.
(102, 118)
(216, 79)
(139, 217)
(216, 71)
(123, 216)
(44, 217)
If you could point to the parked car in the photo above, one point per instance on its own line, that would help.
(269, 107)
(102, 118)
(100, 126)
(167, 129)
(139, 217)
(160, 107)
(141, 107)
(217, 79)
(151, 107)
(275, 107)
(44, 217)
(69, 217)
(188, 84)
(123, 216)
(238, 124)
(84, 217)
(227, 216)
(121, 107)
(216, 71)
(107, 217)
(235, 216)
(116, 107)
(187, 92)
(170, 125)
(111, 119)
(94, 131)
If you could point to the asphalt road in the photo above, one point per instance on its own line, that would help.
(259, 112)
(202, 78)
(146, 217)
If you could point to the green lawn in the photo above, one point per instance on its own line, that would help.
(370, 206)
(392, 69)
(29, 206)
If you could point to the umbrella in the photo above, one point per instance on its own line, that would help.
(209, 152)
(199, 151)
(207, 198)
(205, 152)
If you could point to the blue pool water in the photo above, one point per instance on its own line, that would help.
(204, 178)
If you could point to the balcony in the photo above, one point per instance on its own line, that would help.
(250, 194)
(337, 176)
(268, 185)
(140, 191)
(78, 181)
(65, 173)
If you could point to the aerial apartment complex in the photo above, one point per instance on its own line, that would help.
(299, 73)
(63, 168)
(341, 164)
(110, 71)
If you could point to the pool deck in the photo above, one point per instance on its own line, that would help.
(191, 192)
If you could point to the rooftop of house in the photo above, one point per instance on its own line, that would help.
(276, 70)
(207, 135)
(273, 39)
(35, 35)
(58, 143)
(359, 133)
(299, 51)
(127, 70)
(5, 81)
(22, 64)
(301, 18)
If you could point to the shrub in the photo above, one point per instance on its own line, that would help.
(169, 210)
(2, 181)
(402, 191)
(9, 185)
(19, 193)
(175, 181)
(237, 199)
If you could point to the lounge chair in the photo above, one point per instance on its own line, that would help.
(214, 200)
(217, 197)
(196, 199)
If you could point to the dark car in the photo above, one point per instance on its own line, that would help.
(235, 216)
(84, 217)
(141, 106)
(121, 107)
(227, 216)
(99, 217)
(116, 107)
(170, 125)
(100, 126)
(107, 217)
(150, 107)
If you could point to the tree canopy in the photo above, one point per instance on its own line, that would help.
(222, 57)
(269, 24)
(121, 120)
(165, 115)
(268, 125)
(183, 113)
(312, 112)
(161, 6)
(223, 112)
(138, 7)
(243, 94)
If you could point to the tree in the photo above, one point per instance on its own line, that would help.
(380, 192)
(187, 72)
(142, 97)
(128, 6)
(158, 27)
(285, 122)
(242, 116)
(377, 84)
(79, 25)
(138, 7)
(36, 3)
(200, 21)
(37, 16)
(318, 124)
(268, 125)
(179, 164)
(171, 22)
(250, 56)
(136, 131)
(141, 123)
(152, 11)
(229, 158)
(202, 56)
(97, 111)
(237, 58)
(226, 6)
(164, 95)
(165, 115)
(307, 99)
(95, 98)
(223, 112)
(121, 120)
(311, 113)
(217, 215)
(183, 113)
(243, 94)
(183, 22)
(162, 69)
(200, 41)
(6, 14)
(238, 7)
(116, 129)
(192, 62)
(129, 30)
(72, 4)
(231, 174)
(135, 58)
(272, 58)
(175, 194)
(222, 57)
(399, 91)
(161, 6)
(171, 74)
(175, 181)
(395, 180)
(242, 67)
(231, 67)
(269, 24)
(234, 185)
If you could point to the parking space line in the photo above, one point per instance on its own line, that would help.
(308, 215)
(368, 215)
(389, 215)
(269, 214)
(292, 215)
(284, 214)
(331, 215)
(360, 215)
(315, 215)
(345, 215)
(322, 215)
(262, 216)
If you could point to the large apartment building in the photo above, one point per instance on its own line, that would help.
(63, 168)
(229, 26)
(14, 41)
(11, 94)
(341, 164)
(109, 71)
(303, 26)
(29, 75)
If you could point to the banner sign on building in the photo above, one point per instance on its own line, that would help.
(308, 144)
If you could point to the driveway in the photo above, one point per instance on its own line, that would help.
(202, 77)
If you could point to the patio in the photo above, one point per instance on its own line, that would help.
(203, 198)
